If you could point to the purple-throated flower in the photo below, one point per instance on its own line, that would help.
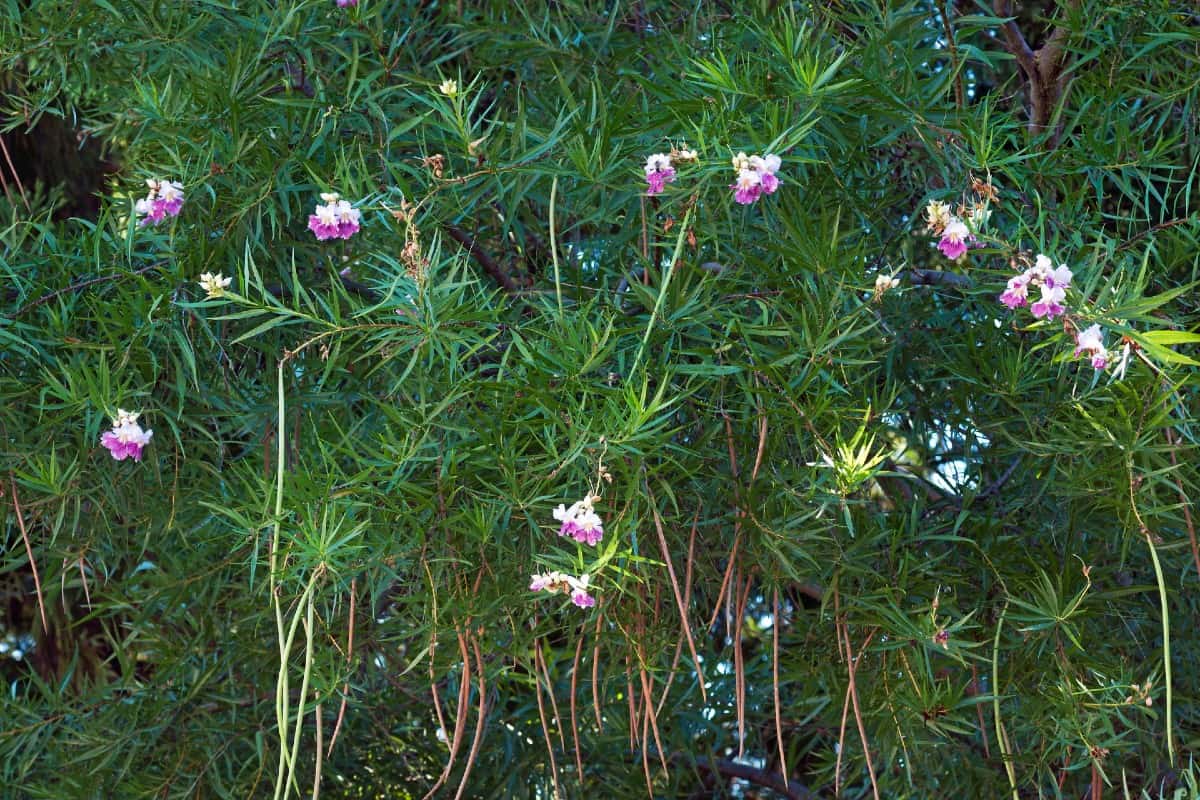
(335, 219)
(659, 172)
(1091, 341)
(766, 167)
(747, 187)
(580, 521)
(126, 439)
(555, 582)
(165, 199)
(954, 239)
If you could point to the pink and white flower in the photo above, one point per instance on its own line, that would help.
(126, 439)
(766, 167)
(1091, 341)
(1051, 304)
(165, 199)
(1017, 293)
(747, 187)
(335, 219)
(580, 521)
(955, 236)
(659, 173)
(346, 3)
(1043, 274)
(1054, 283)
(555, 582)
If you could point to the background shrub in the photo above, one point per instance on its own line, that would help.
(364, 442)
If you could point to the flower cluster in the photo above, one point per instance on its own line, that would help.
(165, 199)
(1052, 282)
(659, 172)
(336, 219)
(955, 233)
(756, 176)
(883, 283)
(957, 230)
(580, 521)
(126, 439)
(555, 582)
(214, 286)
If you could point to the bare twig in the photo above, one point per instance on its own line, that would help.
(316, 790)
(545, 727)
(574, 716)
(16, 177)
(683, 612)
(37, 581)
(460, 723)
(540, 660)
(484, 259)
(687, 603)
(960, 97)
(862, 731)
(1183, 500)
(480, 723)
(650, 715)
(739, 664)
(596, 674)
(350, 659)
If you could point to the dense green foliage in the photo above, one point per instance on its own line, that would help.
(355, 472)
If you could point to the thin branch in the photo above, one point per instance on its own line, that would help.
(793, 790)
(76, 287)
(776, 622)
(596, 673)
(933, 277)
(460, 723)
(574, 715)
(862, 731)
(37, 581)
(349, 659)
(960, 97)
(998, 484)
(1183, 500)
(537, 683)
(683, 612)
(480, 723)
(484, 259)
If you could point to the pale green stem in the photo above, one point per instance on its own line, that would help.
(554, 247)
(1166, 634)
(308, 658)
(662, 292)
(282, 687)
(1005, 755)
(281, 704)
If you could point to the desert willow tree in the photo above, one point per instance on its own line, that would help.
(576, 399)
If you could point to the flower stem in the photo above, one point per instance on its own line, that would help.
(554, 247)
(1166, 634)
(662, 292)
